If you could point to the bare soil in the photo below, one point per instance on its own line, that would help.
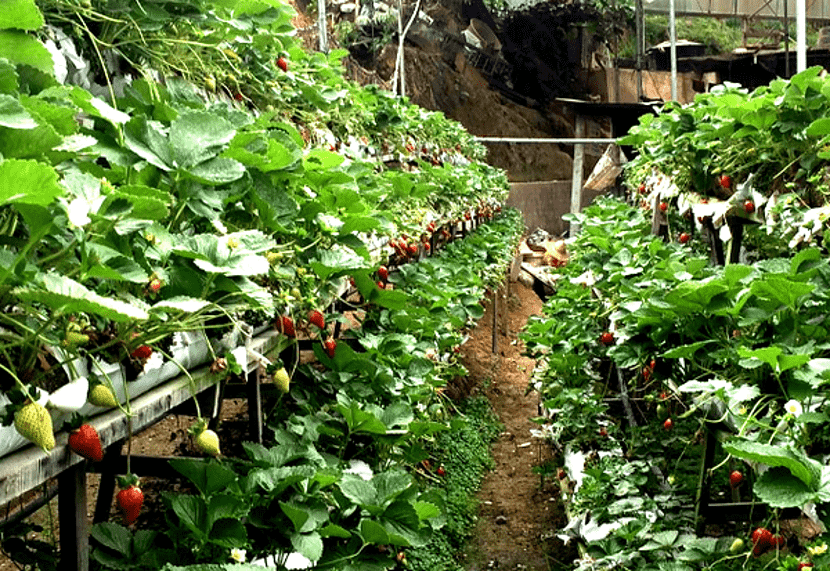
(518, 513)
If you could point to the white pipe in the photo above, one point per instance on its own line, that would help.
(560, 141)
(673, 38)
(801, 35)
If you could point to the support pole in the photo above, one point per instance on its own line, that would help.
(495, 320)
(786, 41)
(673, 49)
(255, 418)
(801, 35)
(72, 517)
(322, 30)
(641, 43)
(576, 174)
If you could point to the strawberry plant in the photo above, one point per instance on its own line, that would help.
(241, 189)
(715, 332)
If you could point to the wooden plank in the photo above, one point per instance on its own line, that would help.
(74, 539)
(540, 275)
(515, 267)
(29, 467)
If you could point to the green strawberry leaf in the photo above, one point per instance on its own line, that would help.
(114, 536)
(197, 136)
(21, 48)
(20, 15)
(779, 488)
(13, 115)
(63, 294)
(373, 532)
(798, 463)
(310, 545)
(28, 182)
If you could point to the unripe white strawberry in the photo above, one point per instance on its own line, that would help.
(282, 380)
(208, 442)
(102, 395)
(34, 423)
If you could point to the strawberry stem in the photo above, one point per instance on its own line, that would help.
(190, 380)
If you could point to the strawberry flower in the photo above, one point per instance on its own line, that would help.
(238, 555)
(79, 209)
(793, 407)
(815, 550)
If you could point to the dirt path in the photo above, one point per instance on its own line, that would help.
(518, 515)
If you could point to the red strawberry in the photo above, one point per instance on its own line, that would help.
(383, 273)
(129, 501)
(286, 326)
(381, 285)
(561, 474)
(664, 206)
(239, 96)
(426, 246)
(668, 424)
(735, 478)
(606, 338)
(603, 432)
(282, 63)
(412, 249)
(142, 352)
(317, 318)
(646, 374)
(684, 237)
(725, 181)
(803, 565)
(155, 285)
(467, 216)
(330, 345)
(440, 471)
(749, 207)
(84, 441)
(761, 538)
(642, 188)
(779, 541)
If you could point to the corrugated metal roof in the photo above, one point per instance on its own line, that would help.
(767, 9)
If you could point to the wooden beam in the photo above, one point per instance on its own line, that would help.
(72, 516)
(142, 465)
